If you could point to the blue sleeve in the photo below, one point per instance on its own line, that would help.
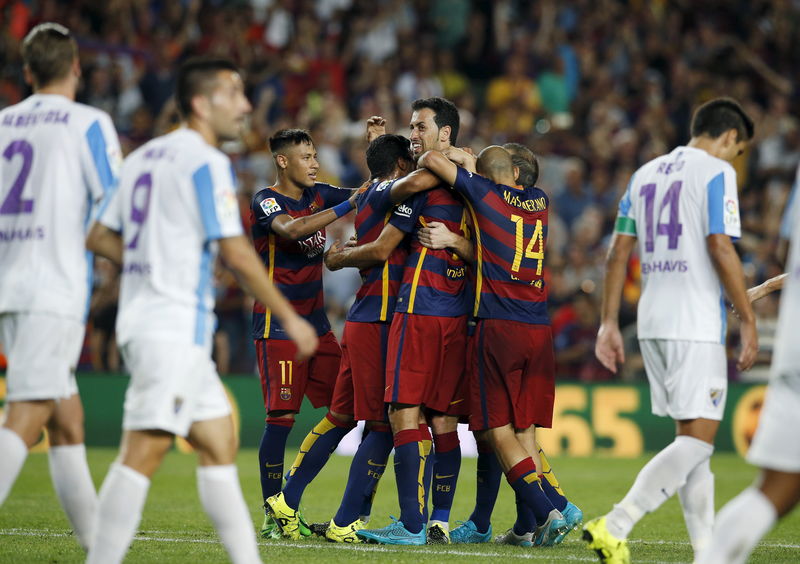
(407, 213)
(267, 205)
(332, 195)
(472, 185)
(786, 220)
(204, 188)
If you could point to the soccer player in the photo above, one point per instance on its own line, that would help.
(174, 212)
(511, 357)
(288, 228)
(358, 394)
(774, 449)
(682, 209)
(59, 157)
(427, 341)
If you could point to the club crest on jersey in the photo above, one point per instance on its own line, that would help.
(270, 206)
(383, 185)
(716, 395)
(313, 207)
(178, 404)
(404, 210)
(286, 394)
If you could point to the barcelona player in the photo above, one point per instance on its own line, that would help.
(288, 228)
(360, 384)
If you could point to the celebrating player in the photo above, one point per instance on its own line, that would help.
(683, 210)
(175, 210)
(289, 220)
(59, 158)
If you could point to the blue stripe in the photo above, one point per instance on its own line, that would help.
(265, 370)
(99, 150)
(723, 312)
(204, 187)
(786, 220)
(384, 344)
(396, 383)
(716, 204)
(479, 361)
(625, 202)
(202, 288)
(89, 259)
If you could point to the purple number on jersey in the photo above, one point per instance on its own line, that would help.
(14, 204)
(673, 229)
(140, 204)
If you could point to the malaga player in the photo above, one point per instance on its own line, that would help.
(681, 210)
(59, 157)
(360, 384)
(288, 228)
(175, 210)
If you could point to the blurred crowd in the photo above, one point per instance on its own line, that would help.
(594, 87)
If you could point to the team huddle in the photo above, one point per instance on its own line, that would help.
(449, 325)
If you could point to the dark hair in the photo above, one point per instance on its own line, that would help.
(527, 163)
(196, 76)
(285, 137)
(445, 113)
(720, 115)
(384, 152)
(49, 51)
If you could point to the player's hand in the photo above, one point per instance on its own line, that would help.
(351, 242)
(303, 335)
(333, 255)
(376, 126)
(461, 157)
(436, 236)
(749, 337)
(609, 349)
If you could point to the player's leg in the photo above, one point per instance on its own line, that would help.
(478, 527)
(218, 485)
(552, 488)
(445, 469)
(20, 431)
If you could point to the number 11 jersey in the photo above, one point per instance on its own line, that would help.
(672, 204)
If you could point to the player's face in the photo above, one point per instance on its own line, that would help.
(424, 132)
(302, 165)
(229, 106)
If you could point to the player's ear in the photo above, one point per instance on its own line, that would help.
(444, 133)
(28, 76)
(201, 106)
(76, 67)
(282, 161)
(516, 174)
(731, 137)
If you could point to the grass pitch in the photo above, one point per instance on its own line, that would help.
(174, 527)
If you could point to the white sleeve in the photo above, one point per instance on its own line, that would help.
(110, 212)
(215, 188)
(105, 156)
(723, 204)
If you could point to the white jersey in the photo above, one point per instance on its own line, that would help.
(58, 158)
(672, 204)
(176, 198)
(786, 358)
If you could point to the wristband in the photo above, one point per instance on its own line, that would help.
(343, 208)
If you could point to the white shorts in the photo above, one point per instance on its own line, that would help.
(43, 351)
(172, 386)
(688, 379)
(775, 445)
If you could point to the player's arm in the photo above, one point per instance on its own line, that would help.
(609, 349)
(369, 254)
(418, 181)
(105, 242)
(439, 165)
(376, 126)
(301, 227)
(241, 258)
(772, 285)
(729, 268)
(437, 236)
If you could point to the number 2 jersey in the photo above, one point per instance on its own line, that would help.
(295, 267)
(175, 200)
(672, 204)
(57, 159)
(510, 234)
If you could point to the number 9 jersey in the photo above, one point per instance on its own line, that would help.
(176, 198)
(57, 158)
(672, 204)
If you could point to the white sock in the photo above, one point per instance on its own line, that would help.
(119, 512)
(15, 451)
(74, 487)
(697, 501)
(740, 525)
(657, 482)
(222, 499)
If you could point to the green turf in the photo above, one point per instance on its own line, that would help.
(174, 528)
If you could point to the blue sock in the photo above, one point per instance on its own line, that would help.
(270, 454)
(430, 462)
(526, 522)
(488, 473)
(445, 474)
(314, 453)
(409, 461)
(525, 483)
(367, 467)
(558, 500)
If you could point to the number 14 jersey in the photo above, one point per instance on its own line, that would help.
(672, 204)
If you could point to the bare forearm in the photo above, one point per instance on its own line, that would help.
(105, 243)
(302, 227)
(464, 248)
(616, 269)
(771, 285)
(364, 256)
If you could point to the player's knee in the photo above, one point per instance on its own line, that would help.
(342, 417)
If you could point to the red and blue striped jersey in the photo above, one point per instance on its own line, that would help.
(375, 300)
(510, 233)
(295, 267)
(434, 282)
